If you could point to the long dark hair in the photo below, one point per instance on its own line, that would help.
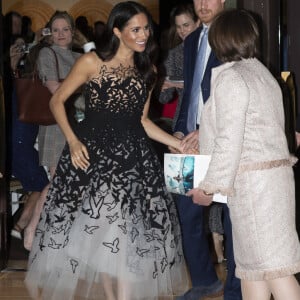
(180, 9)
(118, 18)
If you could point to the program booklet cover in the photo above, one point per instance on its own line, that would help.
(183, 172)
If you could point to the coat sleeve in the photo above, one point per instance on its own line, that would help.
(167, 95)
(181, 123)
(46, 65)
(230, 96)
(189, 58)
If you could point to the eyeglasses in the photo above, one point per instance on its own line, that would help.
(63, 30)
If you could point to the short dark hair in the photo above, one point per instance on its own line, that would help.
(234, 35)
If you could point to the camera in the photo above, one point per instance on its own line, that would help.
(26, 48)
(46, 31)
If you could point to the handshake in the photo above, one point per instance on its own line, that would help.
(189, 143)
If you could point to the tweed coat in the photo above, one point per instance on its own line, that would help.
(242, 127)
(51, 139)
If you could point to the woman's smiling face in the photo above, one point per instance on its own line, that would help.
(135, 34)
(61, 33)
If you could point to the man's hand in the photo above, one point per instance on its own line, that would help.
(200, 197)
(190, 142)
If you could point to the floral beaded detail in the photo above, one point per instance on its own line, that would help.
(125, 100)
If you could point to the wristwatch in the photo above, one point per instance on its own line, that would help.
(207, 194)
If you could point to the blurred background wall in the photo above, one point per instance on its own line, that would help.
(40, 11)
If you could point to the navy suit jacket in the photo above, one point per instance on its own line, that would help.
(190, 54)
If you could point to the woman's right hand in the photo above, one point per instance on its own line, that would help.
(16, 49)
(79, 155)
(16, 52)
(177, 150)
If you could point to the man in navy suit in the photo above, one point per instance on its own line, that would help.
(203, 276)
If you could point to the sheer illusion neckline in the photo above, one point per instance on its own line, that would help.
(117, 71)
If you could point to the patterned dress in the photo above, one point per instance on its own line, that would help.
(112, 226)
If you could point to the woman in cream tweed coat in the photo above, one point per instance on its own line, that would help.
(242, 127)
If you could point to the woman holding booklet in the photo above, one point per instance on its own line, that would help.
(242, 128)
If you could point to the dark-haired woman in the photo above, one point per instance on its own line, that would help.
(183, 21)
(242, 127)
(109, 229)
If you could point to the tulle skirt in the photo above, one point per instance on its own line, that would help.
(110, 232)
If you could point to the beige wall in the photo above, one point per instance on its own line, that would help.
(41, 10)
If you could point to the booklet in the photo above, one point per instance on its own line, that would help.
(183, 172)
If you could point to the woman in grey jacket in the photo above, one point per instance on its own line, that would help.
(51, 140)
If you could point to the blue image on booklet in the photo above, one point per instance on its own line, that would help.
(179, 174)
(184, 172)
(188, 172)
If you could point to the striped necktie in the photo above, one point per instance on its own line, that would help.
(194, 108)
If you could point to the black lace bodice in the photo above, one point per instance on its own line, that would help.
(114, 105)
(119, 91)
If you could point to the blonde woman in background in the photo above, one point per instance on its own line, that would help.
(50, 138)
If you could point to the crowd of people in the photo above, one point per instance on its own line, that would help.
(35, 167)
(98, 220)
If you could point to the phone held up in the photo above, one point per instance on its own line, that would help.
(46, 31)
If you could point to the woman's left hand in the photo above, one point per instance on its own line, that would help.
(200, 197)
